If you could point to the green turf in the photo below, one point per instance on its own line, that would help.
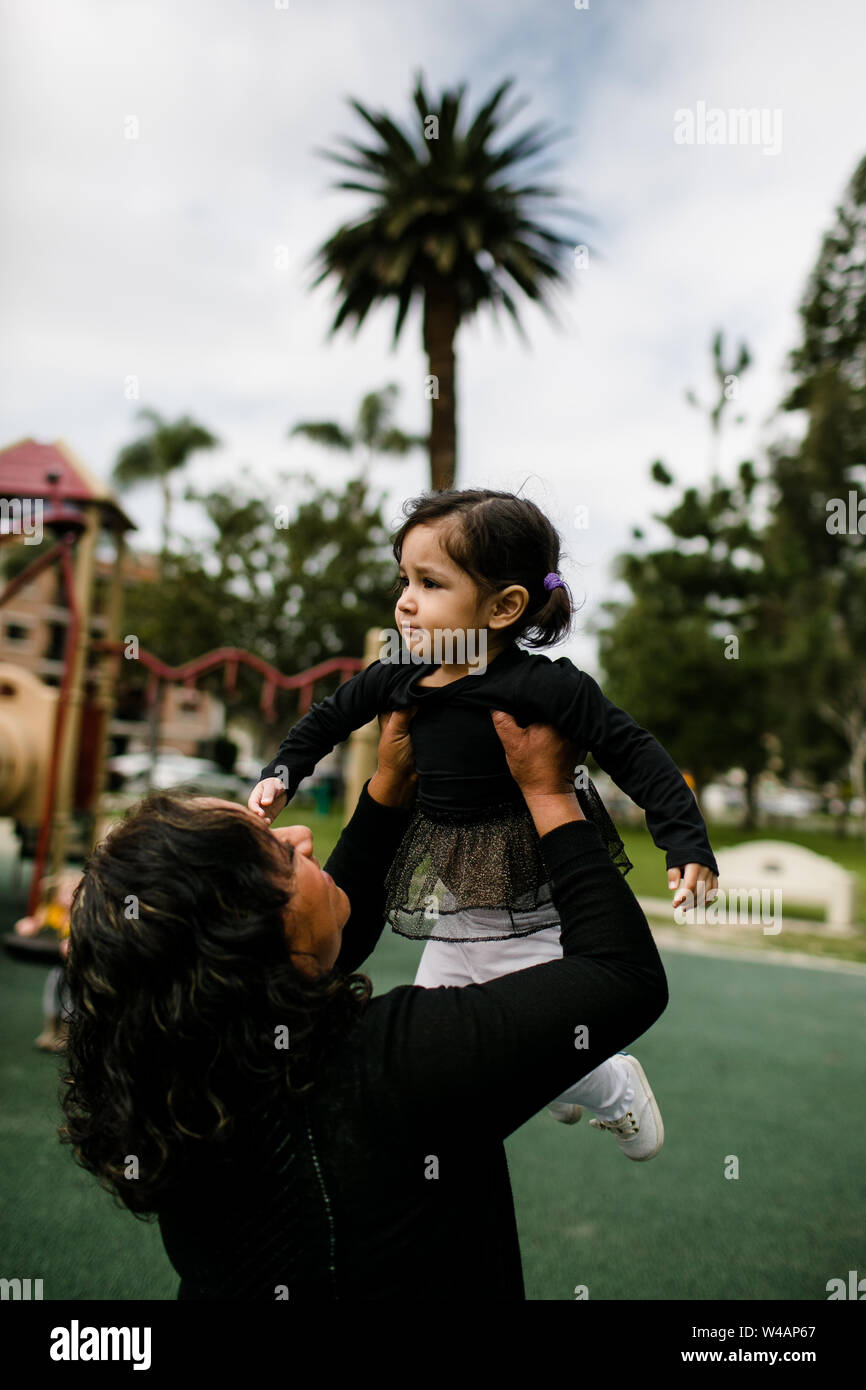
(752, 1060)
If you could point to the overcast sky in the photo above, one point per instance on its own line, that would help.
(155, 257)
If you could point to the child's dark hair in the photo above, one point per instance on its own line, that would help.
(499, 539)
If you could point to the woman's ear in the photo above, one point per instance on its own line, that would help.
(508, 606)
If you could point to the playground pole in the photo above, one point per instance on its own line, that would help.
(106, 679)
(67, 752)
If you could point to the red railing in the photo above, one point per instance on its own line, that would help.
(231, 658)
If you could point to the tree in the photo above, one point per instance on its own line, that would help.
(814, 546)
(815, 538)
(686, 653)
(833, 308)
(452, 226)
(727, 383)
(294, 581)
(373, 431)
(158, 455)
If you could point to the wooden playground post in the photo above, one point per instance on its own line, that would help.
(67, 754)
(108, 668)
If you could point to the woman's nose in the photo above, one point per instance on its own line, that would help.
(300, 837)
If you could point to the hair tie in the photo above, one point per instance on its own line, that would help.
(553, 581)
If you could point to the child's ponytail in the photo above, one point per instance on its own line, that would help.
(551, 622)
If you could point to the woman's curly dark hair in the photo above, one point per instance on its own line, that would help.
(182, 985)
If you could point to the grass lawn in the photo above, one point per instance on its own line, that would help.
(753, 1061)
(649, 877)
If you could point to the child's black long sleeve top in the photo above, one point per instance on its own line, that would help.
(460, 759)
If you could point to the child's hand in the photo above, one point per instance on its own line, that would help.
(28, 926)
(697, 879)
(267, 799)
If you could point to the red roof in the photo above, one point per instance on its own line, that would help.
(24, 470)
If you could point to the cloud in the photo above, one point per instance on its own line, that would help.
(157, 257)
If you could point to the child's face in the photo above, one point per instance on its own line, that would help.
(436, 594)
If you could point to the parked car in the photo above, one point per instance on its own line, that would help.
(788, 801)
(141, 774)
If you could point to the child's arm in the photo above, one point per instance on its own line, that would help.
(639, 765)
(323, 726)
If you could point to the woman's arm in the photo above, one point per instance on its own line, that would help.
(366, 848)
(490, 1056)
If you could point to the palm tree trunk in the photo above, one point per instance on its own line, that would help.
(166, 511)
(441, 321)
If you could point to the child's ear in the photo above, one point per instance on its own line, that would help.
(508, 606)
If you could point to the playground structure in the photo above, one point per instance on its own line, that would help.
(53, 740)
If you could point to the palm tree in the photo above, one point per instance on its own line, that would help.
(449, 227)
(157, 455)
(373, 430)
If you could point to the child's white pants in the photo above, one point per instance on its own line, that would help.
(606, 1091)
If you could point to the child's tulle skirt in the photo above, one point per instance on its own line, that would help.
(479, 874)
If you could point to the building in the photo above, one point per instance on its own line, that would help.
(34, 623)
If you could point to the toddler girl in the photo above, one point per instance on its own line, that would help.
(478, 586)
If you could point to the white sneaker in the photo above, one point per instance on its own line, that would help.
(639, 1132)
(565, 1113)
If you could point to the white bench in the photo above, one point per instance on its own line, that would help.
(800, 875)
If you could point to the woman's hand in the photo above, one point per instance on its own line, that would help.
(393, 783)
(540, 759)
(542, 763)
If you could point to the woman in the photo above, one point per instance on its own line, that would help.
(296, 1137)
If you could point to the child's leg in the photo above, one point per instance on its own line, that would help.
(470, 962)
(443, 963)
(54, 1014)
(606, 1091)
(476, 962)
(617, 1091)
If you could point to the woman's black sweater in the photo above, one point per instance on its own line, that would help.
(388, 1180)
